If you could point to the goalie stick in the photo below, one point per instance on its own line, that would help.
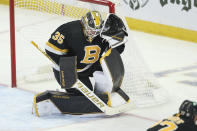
(92, 96)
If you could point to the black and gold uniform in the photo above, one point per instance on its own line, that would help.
(80, 44)
(175, 123)
(185, 120)
(69, 40)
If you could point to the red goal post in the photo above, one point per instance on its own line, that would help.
(110, 5)
(12, 44)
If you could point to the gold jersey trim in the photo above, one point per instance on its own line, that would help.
(56, 49)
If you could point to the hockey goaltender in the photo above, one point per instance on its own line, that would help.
(88, 65)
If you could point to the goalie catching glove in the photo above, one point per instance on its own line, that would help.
(114, 31)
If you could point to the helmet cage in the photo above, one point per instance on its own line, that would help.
(91, 30)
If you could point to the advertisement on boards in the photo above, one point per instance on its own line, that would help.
(177, 13)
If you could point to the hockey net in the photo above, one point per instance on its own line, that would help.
(35, 20)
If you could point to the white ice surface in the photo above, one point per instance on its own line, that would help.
(16, 114)
(173, 61)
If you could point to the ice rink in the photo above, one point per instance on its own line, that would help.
(173, 62)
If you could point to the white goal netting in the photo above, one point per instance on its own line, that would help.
(37, 19)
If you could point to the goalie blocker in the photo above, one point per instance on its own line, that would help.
(69, 103)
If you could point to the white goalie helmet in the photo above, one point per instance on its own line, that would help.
(92, 23)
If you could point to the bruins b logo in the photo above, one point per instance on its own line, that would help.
(91, 54)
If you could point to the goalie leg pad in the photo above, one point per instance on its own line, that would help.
(113, 67)
(71, 103)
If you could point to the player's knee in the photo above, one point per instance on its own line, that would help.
(102, 82)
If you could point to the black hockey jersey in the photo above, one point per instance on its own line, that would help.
(174, 123)
(69, 40)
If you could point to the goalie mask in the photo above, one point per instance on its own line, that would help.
(92, 24)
